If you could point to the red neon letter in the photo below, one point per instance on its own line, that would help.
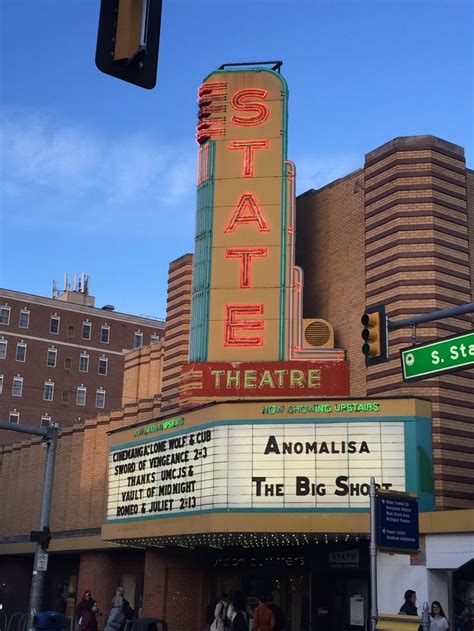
(232, 325)
(245, 255)
(248, 147)
(247, 211)
(239, 103)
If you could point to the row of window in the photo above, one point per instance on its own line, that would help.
(14, 417)
(48, 392)
(52, 355)
(86, 332)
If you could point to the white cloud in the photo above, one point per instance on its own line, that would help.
(72, 165)
(317, 171)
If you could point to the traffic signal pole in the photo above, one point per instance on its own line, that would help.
(50, 436)
(429, 317)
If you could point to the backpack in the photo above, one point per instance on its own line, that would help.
(128, 612)
(209, 615)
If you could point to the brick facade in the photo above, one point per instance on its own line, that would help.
(68, 345)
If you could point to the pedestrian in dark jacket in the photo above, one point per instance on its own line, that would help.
(239, 621)
(89, 619)
(86, 603)
(409, 607)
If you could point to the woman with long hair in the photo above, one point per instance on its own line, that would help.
(439, 622)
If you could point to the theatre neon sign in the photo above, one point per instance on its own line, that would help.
(246, 289)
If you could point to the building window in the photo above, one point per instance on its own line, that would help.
(45, 420)
(154, 338)
(24, 321)
(70, 330)
(100, 398)
(86, 330)
(65, 396)
(84, 362)
(48, 392)
(1, 383)
(20, 352)
(103, 365)
(52, 356)
(17, 386)
(5, 314)
(68, 363)
(54, 324)
(138, 339)
(14, 417)
(3, 349)
(105, 334)
(81, 395)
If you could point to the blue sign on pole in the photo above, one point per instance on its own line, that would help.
(397, 522)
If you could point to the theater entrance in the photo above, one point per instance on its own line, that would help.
(318, 587)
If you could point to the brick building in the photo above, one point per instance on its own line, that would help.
(62, 359)
(398, 231)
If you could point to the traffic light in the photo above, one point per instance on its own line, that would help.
(374, 335)
(41, 536)
(128, 40)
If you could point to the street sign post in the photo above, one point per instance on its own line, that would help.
(446, 355)
(42, 562)
(397, 522)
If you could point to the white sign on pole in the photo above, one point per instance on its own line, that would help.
(42, 562)
(290, 465)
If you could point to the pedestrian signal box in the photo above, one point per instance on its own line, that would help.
(128, 40)
(374, 334)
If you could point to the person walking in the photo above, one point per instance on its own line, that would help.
(238, 615)
(84, 604)
(409, 607)
(89, 619)
(263, 618)
(220, 613)
(280, 618)
(116, 617)
(438, 622)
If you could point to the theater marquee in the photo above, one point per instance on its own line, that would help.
(306, 462)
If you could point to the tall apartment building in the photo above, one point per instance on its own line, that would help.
(62, 358)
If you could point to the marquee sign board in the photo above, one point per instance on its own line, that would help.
(250, 464)
(298, 379)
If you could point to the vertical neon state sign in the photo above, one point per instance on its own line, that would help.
(244, 318)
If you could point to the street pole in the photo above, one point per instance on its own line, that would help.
(374, 614)
(37, 581)
(425, 618)
(50, 437)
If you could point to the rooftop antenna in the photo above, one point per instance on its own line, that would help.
(74, 285)
(65, 287)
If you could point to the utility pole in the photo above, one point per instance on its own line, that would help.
(374, 614)
(50, 436)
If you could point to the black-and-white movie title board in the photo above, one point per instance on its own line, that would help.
(292, 465)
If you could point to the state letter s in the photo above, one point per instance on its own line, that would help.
(453, 352)
(240, 102)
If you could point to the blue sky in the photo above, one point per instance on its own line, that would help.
(99, 176)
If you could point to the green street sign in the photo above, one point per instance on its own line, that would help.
(446, 355)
